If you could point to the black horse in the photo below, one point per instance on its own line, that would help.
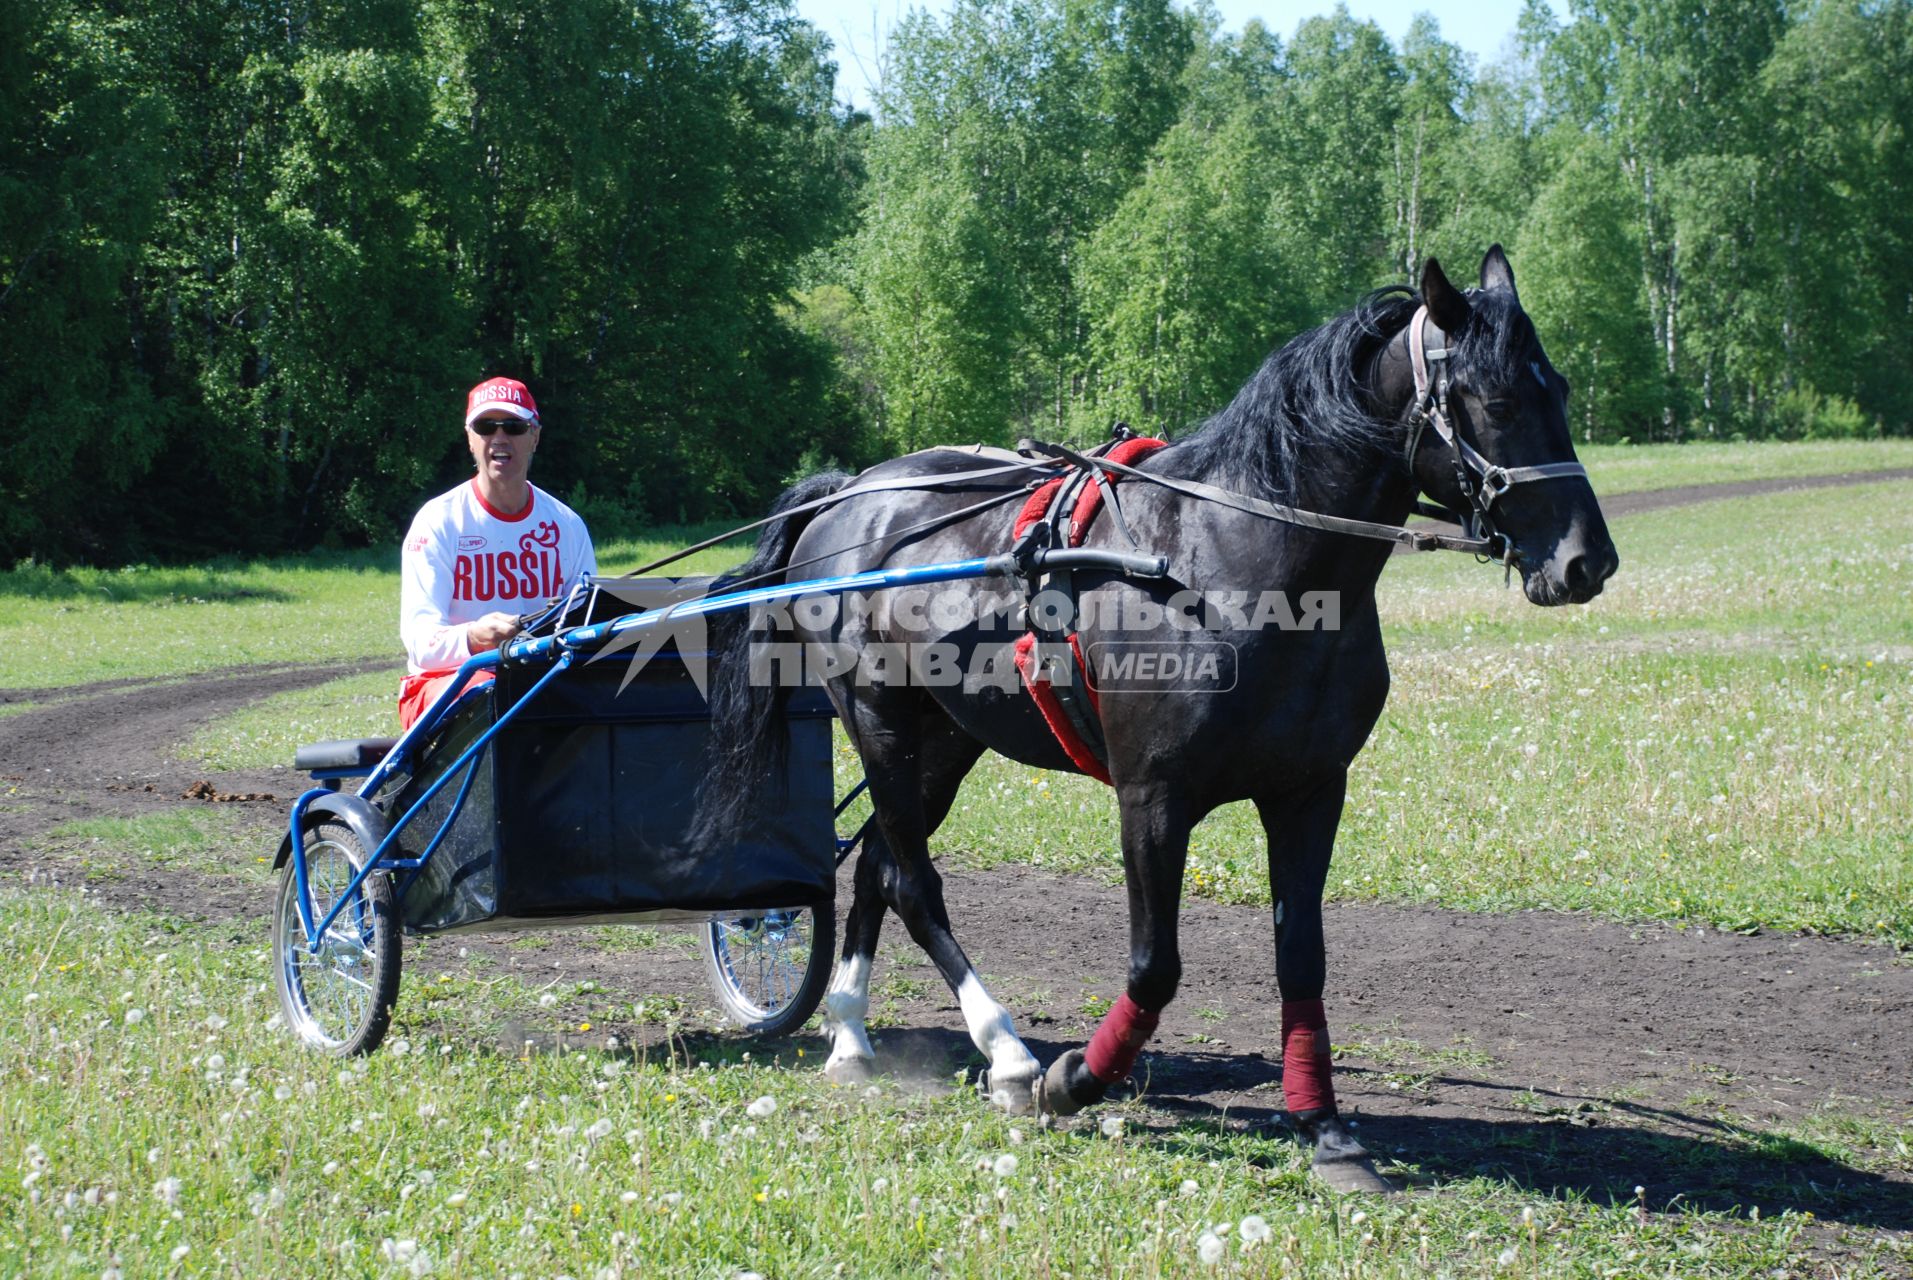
(1332, 423)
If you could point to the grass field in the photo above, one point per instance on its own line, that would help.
(158, 1123)
(1725, 735)
(66, 627)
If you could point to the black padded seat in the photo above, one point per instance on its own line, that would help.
(342, 753)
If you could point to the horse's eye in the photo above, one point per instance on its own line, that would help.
(1501, 410)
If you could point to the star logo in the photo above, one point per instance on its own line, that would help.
(663, 627)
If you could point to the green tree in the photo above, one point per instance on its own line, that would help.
(80, 179)
(1184, 283)
(1580, 271)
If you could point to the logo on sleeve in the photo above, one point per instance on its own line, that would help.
(471, 542)
(416, 544)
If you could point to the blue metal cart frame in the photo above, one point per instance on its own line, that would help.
(380, 839)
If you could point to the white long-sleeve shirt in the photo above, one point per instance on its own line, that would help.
(464, 559)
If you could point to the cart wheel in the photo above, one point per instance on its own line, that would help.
(340, 999)
(769, 971)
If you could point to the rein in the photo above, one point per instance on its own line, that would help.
(1481, 481)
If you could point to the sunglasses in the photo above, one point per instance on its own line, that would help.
(512, 426)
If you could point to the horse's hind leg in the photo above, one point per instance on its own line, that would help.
(1301, 834)
(1155, 849)
(914, 777)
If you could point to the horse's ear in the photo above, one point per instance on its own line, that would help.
(1496, 273)
(1445, 304)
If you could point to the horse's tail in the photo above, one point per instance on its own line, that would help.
(749, 742)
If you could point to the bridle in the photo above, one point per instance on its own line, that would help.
(1481, 481)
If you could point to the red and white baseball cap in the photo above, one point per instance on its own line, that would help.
(509, 394)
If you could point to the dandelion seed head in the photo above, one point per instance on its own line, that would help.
(1254, 1229)
(762, 1109)
(180, 1251)
(1005, 1165)
(133, 1018)
(1190, 1187)
(1357, 1218)
(1506, 1257)
(1209, 1249)
(1112, 1126)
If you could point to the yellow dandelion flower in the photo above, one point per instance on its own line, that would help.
(584, 1026)
(762, 1196)
(577, 1210)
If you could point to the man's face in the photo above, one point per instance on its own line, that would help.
(501, 458)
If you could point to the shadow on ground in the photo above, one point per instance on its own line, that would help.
(1596, 1148)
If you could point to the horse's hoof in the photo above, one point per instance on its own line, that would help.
(850, 1071)
(1053, 1096)
(1013, 1092)
(1352, 1175)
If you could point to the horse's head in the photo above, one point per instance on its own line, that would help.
(1500, 449)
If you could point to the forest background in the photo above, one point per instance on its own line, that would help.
(252, 252)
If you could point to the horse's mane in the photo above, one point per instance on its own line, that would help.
(1310, 396)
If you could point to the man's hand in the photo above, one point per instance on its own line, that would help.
(490, 631)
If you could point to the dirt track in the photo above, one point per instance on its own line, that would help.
(1582, 1054)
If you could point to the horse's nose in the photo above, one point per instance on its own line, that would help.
(1585, 573)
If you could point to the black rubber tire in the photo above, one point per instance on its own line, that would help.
(753, 1014)
(377, 927)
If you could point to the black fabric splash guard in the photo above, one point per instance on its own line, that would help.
(580, 811)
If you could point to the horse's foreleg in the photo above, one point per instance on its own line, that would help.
(1155, 848)
(1301, 837)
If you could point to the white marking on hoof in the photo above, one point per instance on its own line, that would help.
(850, 1071)
(845, 1006)
(1013, 1068)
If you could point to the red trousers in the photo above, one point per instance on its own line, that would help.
(419, 692)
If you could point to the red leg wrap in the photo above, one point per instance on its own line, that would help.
(1124, 1030)
(1305, 1057)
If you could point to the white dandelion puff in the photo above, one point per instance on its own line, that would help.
(598, 1129)
(168, 1189)
(1506, 1257)
(179, 1253)
(1112, 1126)
(1005, 1165)
(762, 1109)
(133, 1018)
(1209, 1249)
(1191, 1187)
(1254, 1230)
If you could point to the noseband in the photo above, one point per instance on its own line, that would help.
(1480, 480)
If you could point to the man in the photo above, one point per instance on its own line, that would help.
(491, 549)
